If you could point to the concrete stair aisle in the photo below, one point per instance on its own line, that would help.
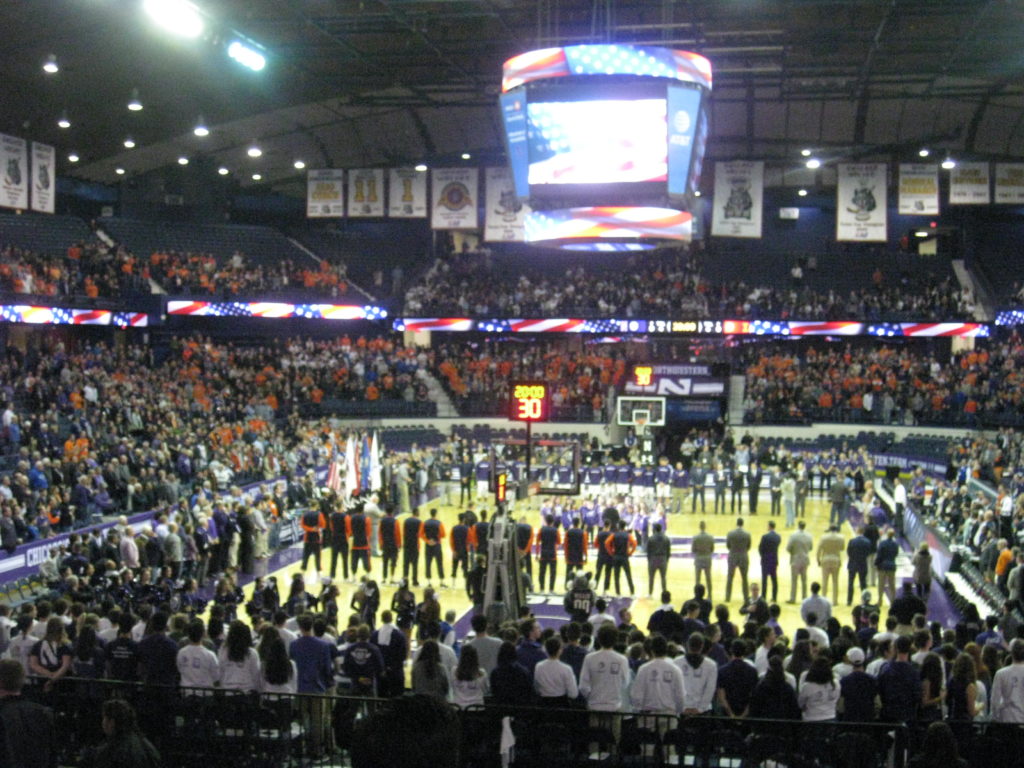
(445, 406)
(737, 390)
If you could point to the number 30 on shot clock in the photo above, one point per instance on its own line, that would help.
(529, 401)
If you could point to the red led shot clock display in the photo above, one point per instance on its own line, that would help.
(529, 401)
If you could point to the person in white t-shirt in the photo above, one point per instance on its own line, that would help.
(658, 687)
(819, 691)
(469, 681)
(20, 647)
(700, 677)
(766, 639)
(1008, 688)
(278, 673)
(602, 615)
(197, 665)
(604, 680)
(553, 679)
(239, 662)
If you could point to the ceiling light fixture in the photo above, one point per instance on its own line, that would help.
(802, 192)
(182, 160)
(805, 152)
(923, 152)
(421, 167)
(299, 165)
(73, 157)
(62, 121)
(949, 163)
(201, 130)
(223, 171)
(257, 177)
(176, 16)
(466, 156)
(129, 143)
(134, 105)
(246, 56)
(254, 151)
(814, 163)
(119, 171)
(50, 66)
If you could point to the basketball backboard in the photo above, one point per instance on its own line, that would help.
(628, 408)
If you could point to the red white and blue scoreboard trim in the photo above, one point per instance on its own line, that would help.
(603, 228)
(274, 309)
(610, 59)
(40, 315)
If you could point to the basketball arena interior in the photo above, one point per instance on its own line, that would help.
(474, 383)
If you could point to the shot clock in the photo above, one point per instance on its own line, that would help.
(529, 401)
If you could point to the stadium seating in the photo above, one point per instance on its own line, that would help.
(47, 235)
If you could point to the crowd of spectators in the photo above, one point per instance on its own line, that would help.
(92, 270)
(886, 384)
(477, 376)
(669, 284)
(100, 430)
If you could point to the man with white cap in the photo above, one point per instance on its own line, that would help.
(857, 690)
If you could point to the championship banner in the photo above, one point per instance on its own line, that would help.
(365, 192)
(738, 199)
(13, 172)
(44, 181)
(325, 193)
(919, 189)
(1010, 183)
(454, 198)
(860, 203)
(407, 194)
(504, 215)
(968, 184)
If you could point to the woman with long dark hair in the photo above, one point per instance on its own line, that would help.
(51, 657)
(819, 693)
(125, 746)
(470, 684)
(239, 662)
(938, 749)
(799, 660)
(773, 697)
(933, 691)
(962, 690)
(278, 673)
(428, 674)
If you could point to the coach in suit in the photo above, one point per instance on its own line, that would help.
(858, 554)
(738, 542)
(768, 548)
(799, 548)
(703, 548)
(698, 478)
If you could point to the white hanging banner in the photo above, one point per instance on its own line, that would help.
(968, 184)
(14, 172)
(44, 177)
(738, 202)
(860, 202)
(325, 193)
(1010, 183)
(919, 189)
(407, 194)
(454, 198)
(505, 215)
(366, 192)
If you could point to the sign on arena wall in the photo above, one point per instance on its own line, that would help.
(407, 194)
(365, 192)
(505, 214)
(861, 200)
(738, 201)
(968, 184)
(1010, 183)
(919, 189)
(44, 177)
(14, 172)
(453, 198)
(325, 193)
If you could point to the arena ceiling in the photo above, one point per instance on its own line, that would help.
(354, 83)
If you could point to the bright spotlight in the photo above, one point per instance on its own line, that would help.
(50, 66)
(802, 193)
(813, 163)
(254, 151)
(73, 157)
(421, 167)
(135, 105)
(119, 171)
(182, 160)
(223, 171)
(257, 177)
(299, 165)
(805, 152)
(129, 143)
(696, 193)
(923, 152)
(201, 130)
(63, 121)
(949, 163)
(247, 56)
(466, 156)
(176, 16)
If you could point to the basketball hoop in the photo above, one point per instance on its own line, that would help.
(641, 423)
